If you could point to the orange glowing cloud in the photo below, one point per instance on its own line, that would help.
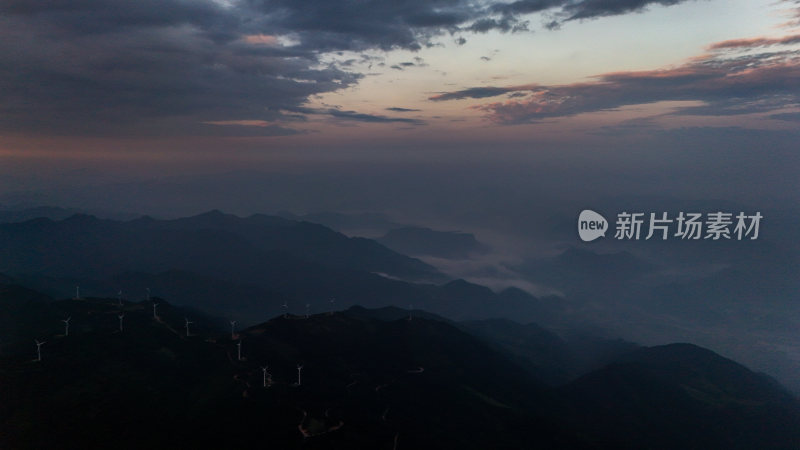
(759, 83)
(261, 39)
(241, 123)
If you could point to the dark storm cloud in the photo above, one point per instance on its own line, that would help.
(504, 24)
(727, 85)
(589, 9)
(405, 65)
(399, 109)
(116, 67)
(566, 10)
(371, 118)
(357, 116)
(478, 92)
(385, 24)
(81, 17)
(527, 6)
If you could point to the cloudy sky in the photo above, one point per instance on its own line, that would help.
(232, 84)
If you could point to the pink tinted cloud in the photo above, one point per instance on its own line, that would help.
(726, 85)
(755, 42)
(261, 39)
(242, 123)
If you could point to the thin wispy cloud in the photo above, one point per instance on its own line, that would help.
(728, 84)
(355, 116)
(755, 42)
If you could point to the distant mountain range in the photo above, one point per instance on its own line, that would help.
(22, 213)
(241, 267)
(356, 379)
(146, 243)
(405, 239)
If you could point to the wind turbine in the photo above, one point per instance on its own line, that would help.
(77, 292)
(285, 307)
(239, 349)
(267, 375)
(66, 325)
(308, 308)
(299, 370)
(233, 328)
(119, 298)
(333, 305)
(187, 325)
(39, 349)
(121, 316)
(155, 316)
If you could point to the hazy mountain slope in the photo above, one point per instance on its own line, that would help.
(227, 269)
(551, 358)
(684, 396)
(310, 242)
(87, 246)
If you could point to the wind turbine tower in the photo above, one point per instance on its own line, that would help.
(77, 292)
(308, 310)
(66, 325)
(333, 305)
(267, 375)
(187, 325)
(155, 316)
(285, 307)
(39, 349)
(121, 316)
(233, 329)
(239, 350)
(299, 372)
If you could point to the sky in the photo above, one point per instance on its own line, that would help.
(112, 90)
(110, 69)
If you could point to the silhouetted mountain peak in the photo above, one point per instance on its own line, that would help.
(214, 217)
(701, 374)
